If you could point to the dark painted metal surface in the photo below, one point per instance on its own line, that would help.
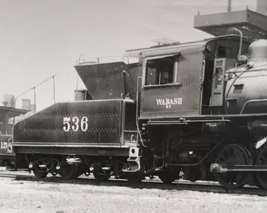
(94, 128)
(93, 122)
(241, 91)
(176, 100)
(258, 127)
(90, 151)
(110, 80)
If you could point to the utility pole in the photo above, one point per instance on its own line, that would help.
(229, 5)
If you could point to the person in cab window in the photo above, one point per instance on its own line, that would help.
(165, 76)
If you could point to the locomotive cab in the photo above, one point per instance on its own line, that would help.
(180, 89)
(188, 79)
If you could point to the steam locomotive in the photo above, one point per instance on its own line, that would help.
(199, 108)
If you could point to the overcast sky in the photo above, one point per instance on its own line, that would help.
(40, 38)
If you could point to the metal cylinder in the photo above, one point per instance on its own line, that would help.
(215, 168)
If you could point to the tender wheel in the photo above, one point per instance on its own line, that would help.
(68, 171)
(169, 176)
(40, 173)
(261, 177)
(100, 174)
(233, 154)
(134, 177)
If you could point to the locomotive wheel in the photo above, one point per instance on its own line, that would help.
(261, 177)
(68, 171)
(134, 177)
(233, 154)
(100, 174)
(169, 176)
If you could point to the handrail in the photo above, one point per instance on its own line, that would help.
(33, 88)
(252, 101)
(97, 60)
(137, 104)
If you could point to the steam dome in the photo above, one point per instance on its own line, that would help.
(257, 51)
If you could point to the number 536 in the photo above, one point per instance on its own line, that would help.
(75, 124)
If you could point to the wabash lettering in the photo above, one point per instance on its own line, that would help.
(168, 102)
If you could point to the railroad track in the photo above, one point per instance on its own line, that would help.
(201, 186)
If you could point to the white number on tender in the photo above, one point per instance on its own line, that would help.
(66, 124)
(84, 124)
(75, 124)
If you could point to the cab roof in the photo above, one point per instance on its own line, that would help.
(174, 48)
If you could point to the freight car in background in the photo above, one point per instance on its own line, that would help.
(198, 107)
(7, 111)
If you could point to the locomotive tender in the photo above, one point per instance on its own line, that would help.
(198, 107)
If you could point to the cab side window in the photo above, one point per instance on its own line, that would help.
(160, 71)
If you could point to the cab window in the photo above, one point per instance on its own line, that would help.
(229, 48)
(160, 71)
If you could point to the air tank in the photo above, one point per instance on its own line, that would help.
(246, 88)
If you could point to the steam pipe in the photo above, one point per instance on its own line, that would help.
(241, 37)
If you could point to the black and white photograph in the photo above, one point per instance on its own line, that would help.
(126, 106)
